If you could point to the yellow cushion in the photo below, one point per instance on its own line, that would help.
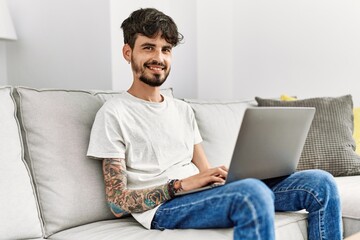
(356, 134)
(287, 98)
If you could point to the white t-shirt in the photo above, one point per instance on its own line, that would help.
(156, 140)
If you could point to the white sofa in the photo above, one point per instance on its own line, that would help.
(49, 189)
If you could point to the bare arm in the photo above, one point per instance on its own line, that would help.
(199, 158)
(122, 200)
(207, 174)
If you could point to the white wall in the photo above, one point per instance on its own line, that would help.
(61, 44)
(232, 48)
(215, 48)
(304, 48)
(183, 76)
(3, 68)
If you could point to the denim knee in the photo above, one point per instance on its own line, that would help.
(322, 179)
(257, 192)
(252, 209)
(323, 184)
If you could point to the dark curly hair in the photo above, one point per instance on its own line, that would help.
(150, 22)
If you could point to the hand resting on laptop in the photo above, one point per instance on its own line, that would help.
(205, 178)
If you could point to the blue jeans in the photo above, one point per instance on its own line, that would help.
(249, 206)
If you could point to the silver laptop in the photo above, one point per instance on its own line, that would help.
(269, 143)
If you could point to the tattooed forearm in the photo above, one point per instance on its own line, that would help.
(122, 200)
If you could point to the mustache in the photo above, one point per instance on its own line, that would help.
(154, 62)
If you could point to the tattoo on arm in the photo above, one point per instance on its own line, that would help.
(122, 200)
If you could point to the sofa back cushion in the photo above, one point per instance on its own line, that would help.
(19, 218)
(56, 127)
(329, 144)
(219, 124)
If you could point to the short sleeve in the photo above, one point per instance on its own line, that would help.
(106, 140)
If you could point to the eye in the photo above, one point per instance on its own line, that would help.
(167, 50)
(149, 48)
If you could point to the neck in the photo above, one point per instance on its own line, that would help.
(145, 92)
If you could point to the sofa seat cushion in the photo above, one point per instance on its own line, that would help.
(19, 218)
(289, 226)
(349, 188)
(130, 229)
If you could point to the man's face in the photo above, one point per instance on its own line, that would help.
(151, 60)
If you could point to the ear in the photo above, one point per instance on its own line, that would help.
(127, 51)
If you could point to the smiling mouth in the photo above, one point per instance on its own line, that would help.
(155, 68)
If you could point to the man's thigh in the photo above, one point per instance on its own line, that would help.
(213, 208)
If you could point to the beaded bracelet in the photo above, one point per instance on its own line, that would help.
(171, 187)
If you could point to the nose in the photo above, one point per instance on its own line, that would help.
(158, 56)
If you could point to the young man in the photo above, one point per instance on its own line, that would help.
(150, 147)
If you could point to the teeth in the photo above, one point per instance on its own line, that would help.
(156, 68)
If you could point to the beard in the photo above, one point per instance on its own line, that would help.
(153, 80)
(156, 81)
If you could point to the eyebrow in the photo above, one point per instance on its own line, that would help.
(154, 45)
(147, 45)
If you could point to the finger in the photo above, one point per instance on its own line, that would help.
(221, 176)
(216, 179)
(224, 168)
(220, 171)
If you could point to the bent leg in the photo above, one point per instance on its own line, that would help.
(247, 205)
(315, 191)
